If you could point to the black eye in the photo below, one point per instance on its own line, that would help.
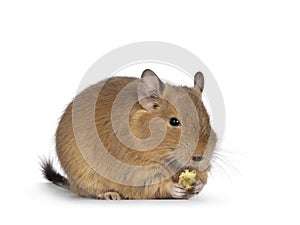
(174, 122)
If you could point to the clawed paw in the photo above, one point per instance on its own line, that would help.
(178, 191)
(109, 196)
(196, 188)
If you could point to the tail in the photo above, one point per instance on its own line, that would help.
(52, 175)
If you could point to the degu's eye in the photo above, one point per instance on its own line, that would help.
(174, 122)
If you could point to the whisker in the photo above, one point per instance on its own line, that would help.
(216, 165)
(231, 152)
(228, 160)
(228, 164)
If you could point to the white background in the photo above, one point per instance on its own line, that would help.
(251, 47)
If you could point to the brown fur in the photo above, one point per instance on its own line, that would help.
(81, 168)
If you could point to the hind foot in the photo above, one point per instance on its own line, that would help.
(109, 196)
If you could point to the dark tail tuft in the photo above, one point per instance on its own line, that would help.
(53, 176)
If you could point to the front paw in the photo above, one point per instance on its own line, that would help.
(178, 191)
(196, 187)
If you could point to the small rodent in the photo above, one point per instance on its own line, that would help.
(131, 138)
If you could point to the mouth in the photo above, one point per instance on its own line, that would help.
(176, 168)
(190, 168)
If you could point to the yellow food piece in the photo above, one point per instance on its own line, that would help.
(187, 178)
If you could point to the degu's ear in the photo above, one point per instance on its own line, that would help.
(199, 82)
(149, 89)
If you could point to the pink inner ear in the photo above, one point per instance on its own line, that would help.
(147, 103)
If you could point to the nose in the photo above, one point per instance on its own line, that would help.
(197, 158)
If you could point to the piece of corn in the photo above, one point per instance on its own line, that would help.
(187, 178)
